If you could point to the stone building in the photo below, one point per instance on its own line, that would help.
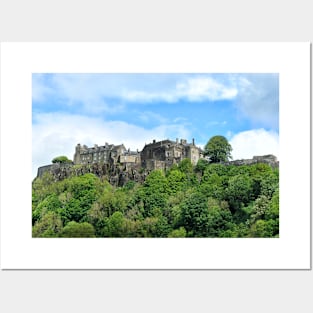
(163, 154)
(156, 155)
(130, 158)
(107, 154)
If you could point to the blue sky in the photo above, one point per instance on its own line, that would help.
(134, 109)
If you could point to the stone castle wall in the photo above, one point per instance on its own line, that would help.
(266, 159)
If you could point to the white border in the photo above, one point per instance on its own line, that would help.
(290, 251)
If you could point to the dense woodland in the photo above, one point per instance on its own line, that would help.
(206, 200)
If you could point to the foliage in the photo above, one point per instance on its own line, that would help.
(194, 215)
(201, 165)
(78, 230)
(178, 233)
(239, 191)
(61, 159)
(206, 200)
(218, 149)
(176, 181)
(49, 225)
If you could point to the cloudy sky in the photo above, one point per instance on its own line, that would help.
(134, 109)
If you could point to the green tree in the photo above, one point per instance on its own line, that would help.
(61, 159)
(42, 187)
(177, 233)
(233, 230)
(212, 185)
(50, 225)
(194, 215)
(82, 191)
(261, 229)
(115, 225)
(50, 203)
(218, 221)
(78, 230)
(176, 181)
(273, 211)
(155, 183)
(185, 166)
(218, 149)
(269, 184)
(239, 191)
(202, 164)
(153, 194)
(260, 207)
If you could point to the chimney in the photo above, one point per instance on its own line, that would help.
(153, 140)
(193, 141)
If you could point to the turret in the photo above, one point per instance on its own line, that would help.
(77, 158)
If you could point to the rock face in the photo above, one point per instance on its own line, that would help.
(58, 170)
(121, 174)
(116, 174)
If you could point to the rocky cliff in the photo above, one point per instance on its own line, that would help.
(119, 175)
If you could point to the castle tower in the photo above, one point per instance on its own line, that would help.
(77, 156)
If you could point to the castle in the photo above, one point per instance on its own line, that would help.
(121, 165)
(156, 155)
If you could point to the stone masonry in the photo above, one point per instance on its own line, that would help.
(164, 154)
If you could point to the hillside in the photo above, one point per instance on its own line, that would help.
(206, 200)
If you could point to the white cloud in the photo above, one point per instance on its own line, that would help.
(149, 116)
(256, 95)
(85, 91)
(205, 88)
(144, 96)
(254, 142)
(192, 89)
(258, 98)
(57, 134)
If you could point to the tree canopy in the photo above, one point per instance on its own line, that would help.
(61, 159)
(218, 149)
